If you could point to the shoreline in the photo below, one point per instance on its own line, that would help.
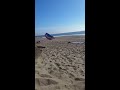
(63, 35)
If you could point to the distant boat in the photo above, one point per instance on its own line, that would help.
(48, 36)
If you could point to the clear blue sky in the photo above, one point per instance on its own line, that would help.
(58, 16)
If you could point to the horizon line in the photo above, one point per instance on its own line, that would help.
(61, 33)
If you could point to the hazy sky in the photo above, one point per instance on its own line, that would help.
(58, 16)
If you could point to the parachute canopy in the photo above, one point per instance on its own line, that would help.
(48, 36)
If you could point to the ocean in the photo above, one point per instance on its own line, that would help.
(68, 35)
(78, 33)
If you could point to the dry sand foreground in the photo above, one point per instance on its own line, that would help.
(60, 65)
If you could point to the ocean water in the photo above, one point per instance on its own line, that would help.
(79, 33)
(68, 35)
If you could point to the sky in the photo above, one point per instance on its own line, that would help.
(59, 16)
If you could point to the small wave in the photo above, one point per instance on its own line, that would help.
(69, 35)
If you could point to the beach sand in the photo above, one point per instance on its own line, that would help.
(60, 65)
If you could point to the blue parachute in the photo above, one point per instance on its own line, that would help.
(48, 36)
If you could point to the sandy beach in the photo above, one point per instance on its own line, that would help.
(59, 63)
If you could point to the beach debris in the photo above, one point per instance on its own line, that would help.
(69, 42)
(45, 75)
(48, 36)
(45, 82)
(38, 41)
(79, 79)
(40, 47)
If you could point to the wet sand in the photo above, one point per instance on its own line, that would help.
(60, 65)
